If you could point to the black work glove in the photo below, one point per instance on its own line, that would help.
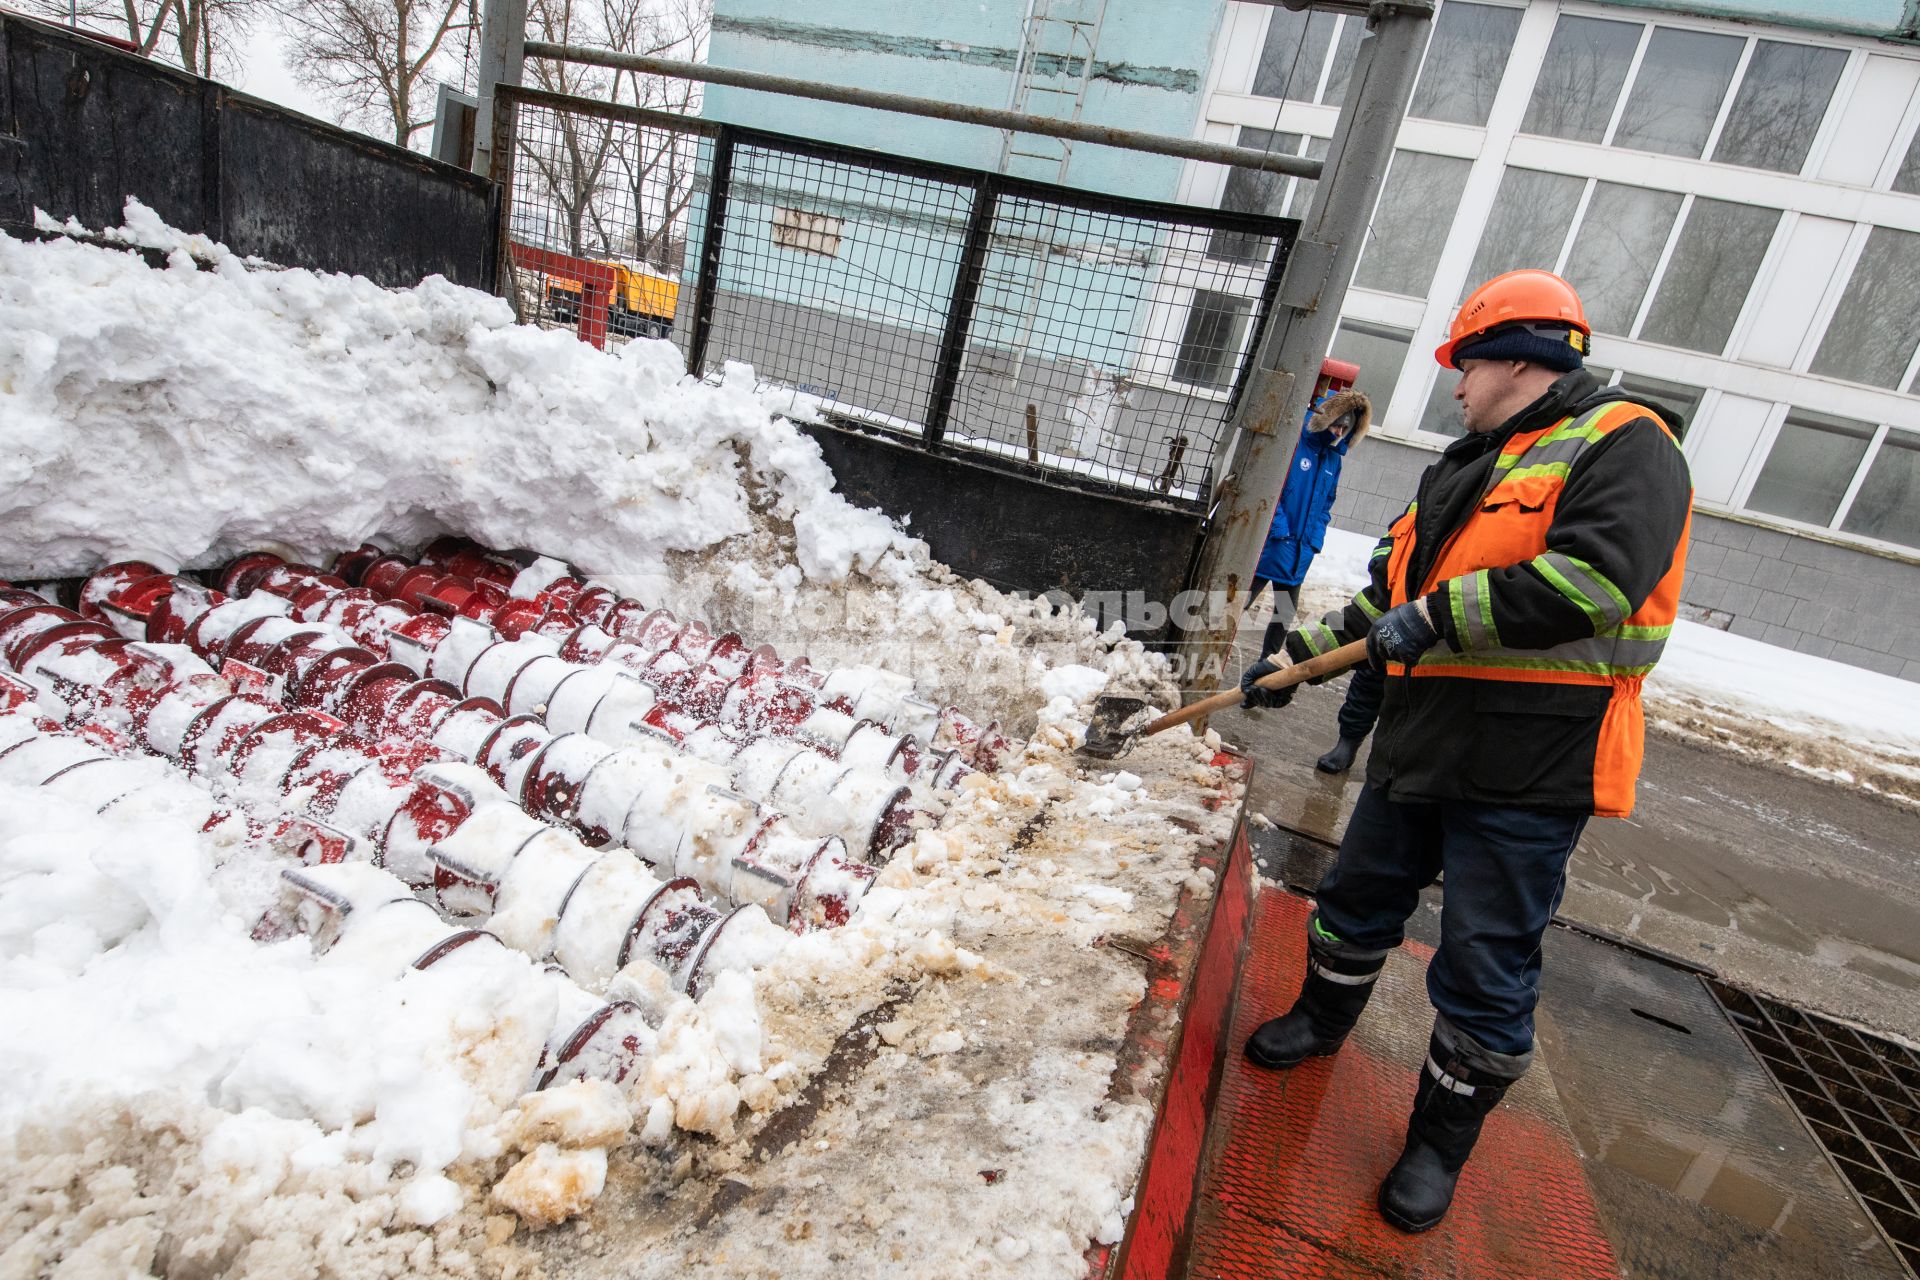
(1252, 695)
(1401, 634)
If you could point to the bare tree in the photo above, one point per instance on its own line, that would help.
(568, 153)
(658, 167)
(196, 35)
(605, 189)
(375, 58)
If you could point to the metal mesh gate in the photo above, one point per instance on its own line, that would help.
(1860, 1095)
(606, 191)
(1085, 339)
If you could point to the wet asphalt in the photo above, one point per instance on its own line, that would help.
(1771, 881)
(1800, 889)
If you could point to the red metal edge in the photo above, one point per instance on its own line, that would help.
(1181, 1025)
(596, 284)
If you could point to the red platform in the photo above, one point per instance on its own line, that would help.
(1292, 1160)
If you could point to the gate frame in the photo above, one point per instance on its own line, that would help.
(1277, 378)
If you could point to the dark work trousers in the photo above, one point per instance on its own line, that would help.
(1505, 871)
(1286, 602)
(1366, 689)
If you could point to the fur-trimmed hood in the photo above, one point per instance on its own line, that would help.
(1342, 404)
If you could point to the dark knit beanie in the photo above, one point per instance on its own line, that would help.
(1557, 349)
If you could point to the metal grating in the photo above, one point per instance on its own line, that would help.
(607, 191)
(1091, 340)
(1860, 1096)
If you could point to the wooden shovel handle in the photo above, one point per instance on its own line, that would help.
(1347, 655)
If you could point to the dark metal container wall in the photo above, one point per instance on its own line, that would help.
(1122, 559)
(84, 125)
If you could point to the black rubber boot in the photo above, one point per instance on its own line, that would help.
(1340, 758)
(1339, 981)
(1453, 1101)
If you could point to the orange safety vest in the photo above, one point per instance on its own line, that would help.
(1509, 526)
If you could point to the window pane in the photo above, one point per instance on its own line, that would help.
(1888, 504)
(1410, 226)
(1442, 414)
(1783, 97)
(1707, 280)
(1253, 191)
(1810, 467)
(1677, 396)
(1616, 250)
(1210, 345)
(1301, 201)
(1465, 59)
(1580, 80)
(1872, 335)
(1682, 79)
(1295, 50)
(1528, 225)
(1345, 49)
(1380, 350)
(1908, 178)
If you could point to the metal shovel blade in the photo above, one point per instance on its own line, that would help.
(1107, 734)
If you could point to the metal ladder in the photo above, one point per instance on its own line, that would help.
(1057, 47)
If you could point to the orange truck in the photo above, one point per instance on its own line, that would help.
(640, 302)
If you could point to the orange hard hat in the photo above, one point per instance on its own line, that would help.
(1529, 296)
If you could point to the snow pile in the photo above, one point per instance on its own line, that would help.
(184, 1100)
(307, 413)
(317, 411)
(1826, 718)
(1814, 715)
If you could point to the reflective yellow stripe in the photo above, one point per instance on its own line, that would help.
(1319, 637)
(1586, 586)
(1608, 655)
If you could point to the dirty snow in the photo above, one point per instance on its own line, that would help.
(183, 1100)
(1843, 723)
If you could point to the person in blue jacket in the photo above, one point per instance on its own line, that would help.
(1300, 518)
(1334, 425)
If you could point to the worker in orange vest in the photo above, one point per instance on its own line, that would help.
(1514, 609)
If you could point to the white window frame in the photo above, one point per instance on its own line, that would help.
(1832, 532)
(1500, 145)
(1903, 141)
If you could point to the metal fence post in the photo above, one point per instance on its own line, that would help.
(713, 232)
(503, 39)
(1280, 382)
(966, 290)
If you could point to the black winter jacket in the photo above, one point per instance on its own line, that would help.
(1621, 509)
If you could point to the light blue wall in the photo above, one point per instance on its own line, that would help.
(901, 239)
(899, 254)
(1150, 70)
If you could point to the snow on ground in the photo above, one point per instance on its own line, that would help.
(183, 1100)
(1839, 722)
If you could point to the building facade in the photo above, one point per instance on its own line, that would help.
(1734, 186)
(1738, 201)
